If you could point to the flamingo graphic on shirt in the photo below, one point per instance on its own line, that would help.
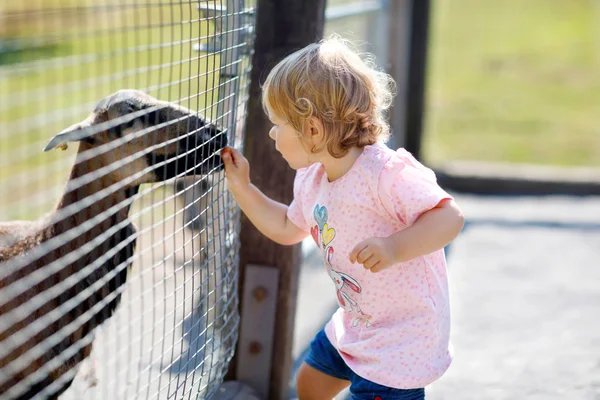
(345, 285)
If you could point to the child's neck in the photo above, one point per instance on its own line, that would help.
(335, 168)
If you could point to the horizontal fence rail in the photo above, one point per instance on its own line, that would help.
(353, 9)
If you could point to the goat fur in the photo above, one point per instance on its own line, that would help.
(18, 238)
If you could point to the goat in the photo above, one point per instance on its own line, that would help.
(152, 141)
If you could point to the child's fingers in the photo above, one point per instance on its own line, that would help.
(236, 156)
(229, 157)
(227, 152)
(227, 160)
(377, 267)
(234, 152)
(356, 251)
(366, 261)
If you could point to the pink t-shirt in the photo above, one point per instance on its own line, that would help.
(392, 327)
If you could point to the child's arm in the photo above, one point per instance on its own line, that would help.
(267, 215)
(433, 230)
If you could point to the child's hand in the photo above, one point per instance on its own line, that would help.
(375, 254)
(237, 169)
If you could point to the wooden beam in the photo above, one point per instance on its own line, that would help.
(282, 26)
(257, 329)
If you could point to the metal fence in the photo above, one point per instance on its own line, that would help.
(125, 284)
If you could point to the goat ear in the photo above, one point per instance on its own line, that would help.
(73, 133)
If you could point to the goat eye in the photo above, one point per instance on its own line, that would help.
(130, 124)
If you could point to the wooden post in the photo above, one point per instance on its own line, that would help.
(282, 26)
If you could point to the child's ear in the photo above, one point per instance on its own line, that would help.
(316, 131)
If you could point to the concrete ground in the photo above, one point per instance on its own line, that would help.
(525, 287)
(525, 282)
(171, 335)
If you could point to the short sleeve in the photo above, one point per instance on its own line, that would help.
(295, 211)
(407, 188)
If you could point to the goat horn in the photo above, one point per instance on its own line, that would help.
(71, 134)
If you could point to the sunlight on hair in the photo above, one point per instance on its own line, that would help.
(341, 87)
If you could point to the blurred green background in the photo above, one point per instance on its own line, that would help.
(59, 57)
(514, 81)
(508, 81)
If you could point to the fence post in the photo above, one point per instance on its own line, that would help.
(397, 67)
(282, 26)
(409, 22)
(417, 72)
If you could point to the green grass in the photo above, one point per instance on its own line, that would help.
(143, 47)
(514, 81)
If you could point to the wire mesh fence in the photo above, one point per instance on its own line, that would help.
(118, 255)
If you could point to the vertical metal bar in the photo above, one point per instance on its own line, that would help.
(399, 48)
(417, 71)
(227, 43)
(230, 47)
(229, 71)
(407, 65)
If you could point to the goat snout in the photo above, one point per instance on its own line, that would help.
(203, 150)
(198, 153)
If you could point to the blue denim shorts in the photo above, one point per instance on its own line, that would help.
(325, 358)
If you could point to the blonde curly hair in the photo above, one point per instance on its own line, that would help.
(337, 85)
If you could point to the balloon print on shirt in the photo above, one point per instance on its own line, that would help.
(345, 285)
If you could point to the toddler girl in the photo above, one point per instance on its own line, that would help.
(378, 216)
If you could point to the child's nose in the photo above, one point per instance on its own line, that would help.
(272, 133)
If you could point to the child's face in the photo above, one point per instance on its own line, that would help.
(288, 142)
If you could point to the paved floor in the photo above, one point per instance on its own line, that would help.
(525, 281)
(168, 338)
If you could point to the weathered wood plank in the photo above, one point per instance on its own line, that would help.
(282, 26)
